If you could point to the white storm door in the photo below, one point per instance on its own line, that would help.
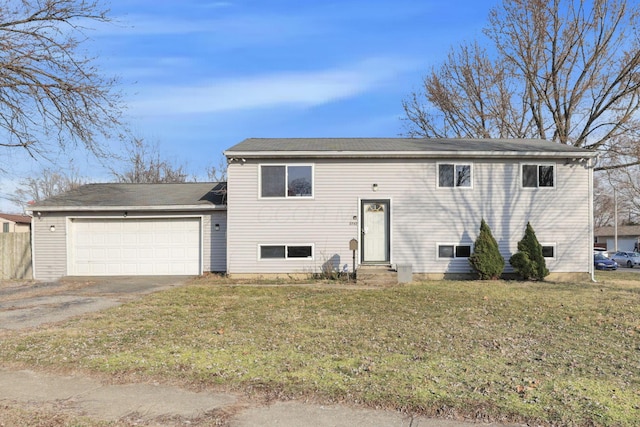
(375, 231)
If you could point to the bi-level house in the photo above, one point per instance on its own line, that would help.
(300, 205)
(295, 204)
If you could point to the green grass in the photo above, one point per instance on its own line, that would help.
(564, 354)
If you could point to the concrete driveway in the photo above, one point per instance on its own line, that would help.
(29, 304)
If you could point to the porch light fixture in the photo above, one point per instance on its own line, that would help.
(217, 227)
(125, 214)
(374, 187)
(39, 215)
(52, 228)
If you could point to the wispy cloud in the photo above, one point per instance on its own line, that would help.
(304, 89)
(242, 27)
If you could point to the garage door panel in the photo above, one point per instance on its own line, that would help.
(135, 246)
(126, 253)
(146, 238)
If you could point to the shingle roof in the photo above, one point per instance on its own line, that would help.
(204, 194)
(413, 146)
(623, 230)
(20, 219)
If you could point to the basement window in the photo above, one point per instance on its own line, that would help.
(286, 252)
(454, 251)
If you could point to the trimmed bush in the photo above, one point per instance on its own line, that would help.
(486, 259)
(528, 261)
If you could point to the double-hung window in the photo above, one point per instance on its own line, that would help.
(538, 175)
(286, 181)
(454, 175)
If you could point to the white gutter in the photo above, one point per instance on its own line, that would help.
(409, 154)
(165, 208)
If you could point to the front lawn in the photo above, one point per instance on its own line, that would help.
(564, 354)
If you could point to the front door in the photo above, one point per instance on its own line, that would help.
(375, 231)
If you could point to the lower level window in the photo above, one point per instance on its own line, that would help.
(454, 251)
(286, 251)
(548, 251)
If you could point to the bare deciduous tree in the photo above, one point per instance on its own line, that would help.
(49, 89)
(563, 70)
(603, 203)
(144, 165)
(48, 183)
(218, 173)
(626, 182)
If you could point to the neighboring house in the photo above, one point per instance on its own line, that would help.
(295, 204)
(10, 223)
(628, 237)
(131, 229)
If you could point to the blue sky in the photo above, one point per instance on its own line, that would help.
(200, 76)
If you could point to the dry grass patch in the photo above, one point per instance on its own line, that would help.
(564, 354)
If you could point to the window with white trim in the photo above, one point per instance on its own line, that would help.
(454, 175)
(5, 227)
(538, 175)
(286, 181)
(549, 250)
(293, 251)
(454, 251)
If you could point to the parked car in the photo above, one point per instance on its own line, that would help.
(626, 258)
(601, 262)
(602, 251)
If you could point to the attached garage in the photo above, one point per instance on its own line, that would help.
(135, 246)
(131, 229)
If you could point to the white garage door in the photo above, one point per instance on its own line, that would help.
(623, 244)
(113, 247)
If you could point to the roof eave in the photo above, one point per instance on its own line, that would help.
(408, 154)
(165, 208)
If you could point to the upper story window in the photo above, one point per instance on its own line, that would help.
(286, 181)
(454, 175)
(534, 176)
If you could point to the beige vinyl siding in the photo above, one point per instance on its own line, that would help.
(14, 227)
(215, 242)
(50, 249)
(422, 215)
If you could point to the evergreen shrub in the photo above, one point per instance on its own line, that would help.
(486, 259)
(528, 261)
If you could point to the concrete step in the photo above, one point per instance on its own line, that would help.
(376, 275)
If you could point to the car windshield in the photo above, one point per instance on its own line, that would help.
(599, 256)
(634, 254)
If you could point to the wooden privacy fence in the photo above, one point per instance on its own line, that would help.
(15, 256)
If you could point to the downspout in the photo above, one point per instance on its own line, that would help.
(590, 167)
(33, 244)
